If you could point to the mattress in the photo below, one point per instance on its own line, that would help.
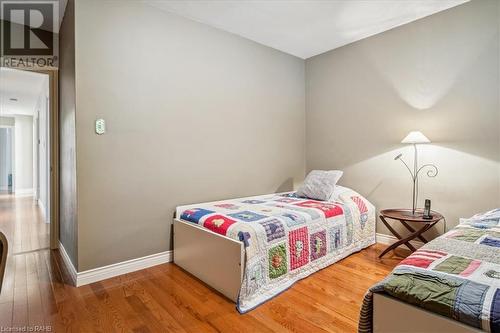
(457, 275)
(286, 238)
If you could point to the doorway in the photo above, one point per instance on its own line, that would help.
(29, 123)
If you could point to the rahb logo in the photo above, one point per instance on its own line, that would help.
(29, 33)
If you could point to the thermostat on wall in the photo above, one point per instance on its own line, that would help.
(100, 126)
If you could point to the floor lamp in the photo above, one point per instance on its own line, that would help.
(415, 138)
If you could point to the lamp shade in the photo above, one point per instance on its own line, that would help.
(415, 137)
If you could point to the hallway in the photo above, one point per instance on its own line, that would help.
(22, 223)
(24, 299)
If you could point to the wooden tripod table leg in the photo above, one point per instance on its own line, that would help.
(401, 239)
(413, 235)
(413, 230)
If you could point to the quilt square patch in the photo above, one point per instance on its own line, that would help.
(195, 214)
(418, 286)
(336, 238)
(227, 206)
(298, 241)
(218, 224)
(363, 210)
(318, 244)
(329, 210)
(313, 213)
(468, 305)
(360, 203)
(287, 200)
(349, 225)
(247, 216)
(289, 195)
(487, 273)
(490, 241)
(267, 210)
(253, 202)
(492, 274)
(255, 277)
(467, 235)
(274, 229)
(244, 237)
(277, 261)
(247, 234)
(293, 219)
(423, 258)
(458, 266)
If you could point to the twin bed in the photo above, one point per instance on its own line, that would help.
(451, 284)
(252, 249)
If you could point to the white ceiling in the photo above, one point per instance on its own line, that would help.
(304, 28)
(22, 85)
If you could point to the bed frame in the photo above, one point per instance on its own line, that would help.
(215, 259)
(392, 315)
(219, 262)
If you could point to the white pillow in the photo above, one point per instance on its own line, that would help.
(319, 184)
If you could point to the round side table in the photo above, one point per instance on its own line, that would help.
(404, 216)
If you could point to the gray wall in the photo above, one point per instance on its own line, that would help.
(68, 215)
(193, 114)
(439, 75)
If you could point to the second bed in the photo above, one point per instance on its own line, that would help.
(251, 249)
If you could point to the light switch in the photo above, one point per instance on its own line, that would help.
(100, 126)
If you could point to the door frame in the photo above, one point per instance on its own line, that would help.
(53, 119)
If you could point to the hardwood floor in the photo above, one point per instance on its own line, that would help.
(165, 298)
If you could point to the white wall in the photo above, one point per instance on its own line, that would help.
(6, 121)
(5, 156)
(23, 130)
(4, 159)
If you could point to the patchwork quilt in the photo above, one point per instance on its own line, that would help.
(286, 238)
(456, 275)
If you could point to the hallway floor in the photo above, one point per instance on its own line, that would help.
(165, 298)
(26, 284)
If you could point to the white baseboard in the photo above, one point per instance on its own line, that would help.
(109, 271)
(42, 209)
(124, 267)
(23, 192)
(388, 239)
